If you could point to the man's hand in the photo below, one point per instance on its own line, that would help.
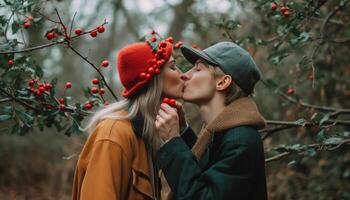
(167, 122)
(181, 114)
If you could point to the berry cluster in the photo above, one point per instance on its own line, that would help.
(38, 88)
(93, 33)
(171, 102)
(283, 9)
(158, 51)
(28, 22)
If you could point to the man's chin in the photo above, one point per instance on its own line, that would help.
(187, 98)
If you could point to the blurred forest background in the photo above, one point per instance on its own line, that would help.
(301, 47)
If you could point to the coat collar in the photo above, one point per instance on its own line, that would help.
(242, 111)
(137, 124)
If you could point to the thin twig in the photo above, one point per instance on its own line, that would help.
(33, 48)
(5, 100)
(63, 26)
(19, 101)
(71, 25)
(98, 71)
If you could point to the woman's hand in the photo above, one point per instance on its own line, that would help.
(167, 122)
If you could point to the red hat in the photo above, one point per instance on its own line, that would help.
(139, 62)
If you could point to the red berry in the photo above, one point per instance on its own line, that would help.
(166, 100)
(61, 100)
(283, 9)
(78, 31)
(48, 86)
(101, 29)
(338, 13)
(162, 44)
(62, 107)
(10, 62)
(31, 82)
(172, 102)
(178, 45)
(49, 107)
(142, 75)
(148, 76)
(26, 25)
(153, 32)
(95, 81)
(50, 35)
(153, 39)
(93, 34)
(102, 90)
(38, 92)
(150, 70)
(94, 90)
(311, 77)
(88, 106)
(41, 89)
(154, 61)
(68, 85)
(29, 18)
(157, 70)
(105, 63)
(286, 14)
(290, 91)
(273, 6)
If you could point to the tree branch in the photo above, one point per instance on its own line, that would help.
(318, 147)
(336, 111)
(98, 71)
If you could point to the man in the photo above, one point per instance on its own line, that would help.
(227, 159)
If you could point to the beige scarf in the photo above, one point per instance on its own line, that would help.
(242, 111)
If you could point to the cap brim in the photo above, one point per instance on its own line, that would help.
(192, 55)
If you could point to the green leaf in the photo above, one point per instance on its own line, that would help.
(75, 128)
(26, 118)
(311, 152)
(38, 71)
(5, 117)
(2, 20)
(301, 122)
(324, 118)
(15, 27)
(292, 163)
(333, 141)
(277, 57)
(346, 134)
(320, 136)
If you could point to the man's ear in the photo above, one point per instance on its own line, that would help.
(224, 82)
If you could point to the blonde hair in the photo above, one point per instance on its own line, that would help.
(233, 92)
(147, 103)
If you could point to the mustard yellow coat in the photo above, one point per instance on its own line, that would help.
(113, 165)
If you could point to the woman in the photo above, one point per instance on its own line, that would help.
(117, 159)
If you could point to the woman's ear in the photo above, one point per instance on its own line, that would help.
(224, 82)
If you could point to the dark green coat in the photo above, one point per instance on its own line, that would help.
(232, 168)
